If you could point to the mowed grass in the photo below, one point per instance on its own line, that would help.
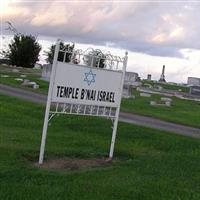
(152, 165)
(184, 112)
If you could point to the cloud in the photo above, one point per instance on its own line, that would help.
(48, 18)
(160, 29)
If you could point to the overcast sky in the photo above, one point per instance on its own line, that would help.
(154, 33)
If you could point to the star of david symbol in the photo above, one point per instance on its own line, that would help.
(89, 77)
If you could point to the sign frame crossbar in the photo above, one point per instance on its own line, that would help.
(79, 109)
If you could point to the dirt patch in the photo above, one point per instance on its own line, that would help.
(74, 164)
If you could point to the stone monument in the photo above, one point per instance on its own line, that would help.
(46, 72)
(162, 77)
(149, 77)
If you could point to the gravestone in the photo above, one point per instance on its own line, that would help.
(46, 72)
(166, 99)
(25, 82)
(35, 86)
(126, 93)
(164, 104)
(15, 70)
(145, 94)
(195, 90)
(168, 103)
(4, 76)
(130, 78)
(152, 103)
(149, 77)
(19, 79)
(29, 83)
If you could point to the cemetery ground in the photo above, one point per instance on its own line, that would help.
(30, 74)
(165, 86)
(148, 164)
(183, 112)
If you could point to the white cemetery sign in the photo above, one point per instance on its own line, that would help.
(85, 90)
(85, 85)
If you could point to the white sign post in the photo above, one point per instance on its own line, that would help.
(85, 90)
(112, 146)
(48, 105)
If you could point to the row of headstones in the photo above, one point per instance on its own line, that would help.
(165, 101)
(28, 83)
(25, 82)
(157, 87)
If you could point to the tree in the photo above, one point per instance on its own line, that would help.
(23, 50)
(95, 58)
(65, 47)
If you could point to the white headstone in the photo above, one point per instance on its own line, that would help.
(4, 76)
(15, 70)
(19, 79)
(166, 99)
(145, 94)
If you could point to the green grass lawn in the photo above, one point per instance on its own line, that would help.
(182, 111)
(153, 165)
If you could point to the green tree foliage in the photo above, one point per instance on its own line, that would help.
(95, 58)
(100, 60)
(23, 50)
(65, 47)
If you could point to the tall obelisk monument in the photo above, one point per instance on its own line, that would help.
(162, 77)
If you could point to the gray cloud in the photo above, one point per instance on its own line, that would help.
(160, 29)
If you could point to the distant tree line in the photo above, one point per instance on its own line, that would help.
(23, 51)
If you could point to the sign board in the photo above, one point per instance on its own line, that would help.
(86, 85)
